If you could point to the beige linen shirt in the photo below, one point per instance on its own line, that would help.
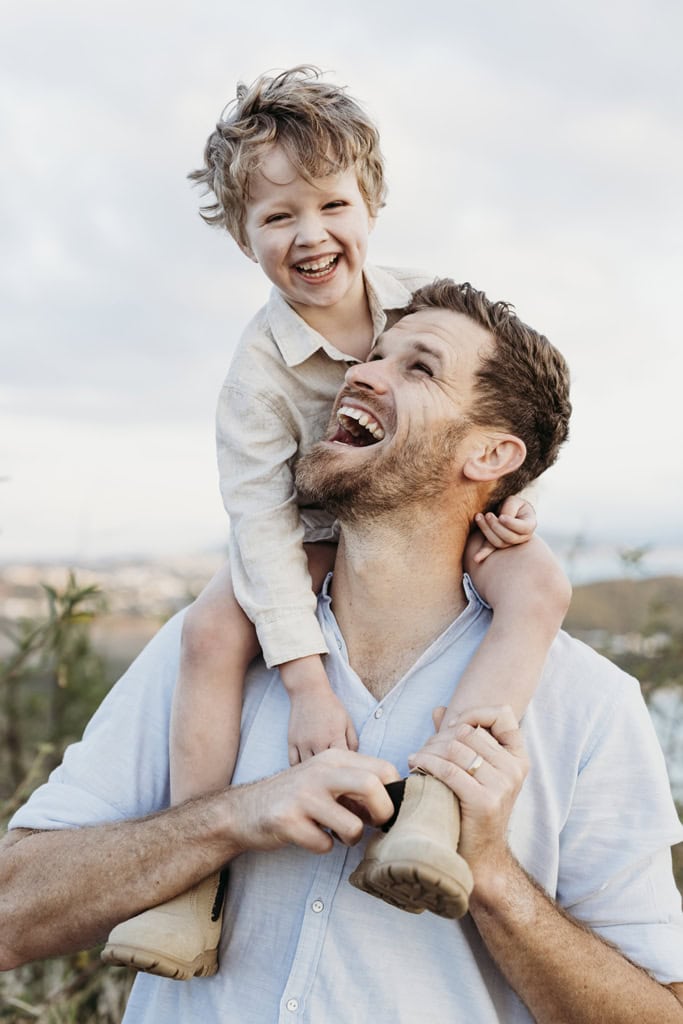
(274, 405)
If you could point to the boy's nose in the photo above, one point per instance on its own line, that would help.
(311, 231)
(372, 376)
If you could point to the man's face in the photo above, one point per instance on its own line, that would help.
(400, 424)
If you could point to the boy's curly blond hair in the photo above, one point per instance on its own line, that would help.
(322, 130)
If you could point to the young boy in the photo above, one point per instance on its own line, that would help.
(298, 179)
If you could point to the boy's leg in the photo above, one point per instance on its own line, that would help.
(179, 939)
(218, 645)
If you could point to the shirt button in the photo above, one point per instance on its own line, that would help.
(379, 712)
(317, 906)
(339, 644)
(292, 1005)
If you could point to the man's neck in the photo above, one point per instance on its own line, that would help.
(395, 590)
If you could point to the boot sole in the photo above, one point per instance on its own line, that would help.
(203, 966)
(415, 886)
(415, 875)
(360, 879)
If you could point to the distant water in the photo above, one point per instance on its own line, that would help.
(590, 562)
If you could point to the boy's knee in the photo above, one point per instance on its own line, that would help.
(205, 628)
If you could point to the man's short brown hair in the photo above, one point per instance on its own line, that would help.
(321, 129)
(521, 386)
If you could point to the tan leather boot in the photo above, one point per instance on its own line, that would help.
(415, 866)
(178, 939)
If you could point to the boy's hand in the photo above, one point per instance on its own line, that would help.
(514, 524)
(317, 720)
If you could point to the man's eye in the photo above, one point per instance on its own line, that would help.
(422, 368)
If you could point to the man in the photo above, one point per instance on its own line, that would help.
(591, 825)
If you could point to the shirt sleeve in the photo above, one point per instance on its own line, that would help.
(615, 857)
(256, 453)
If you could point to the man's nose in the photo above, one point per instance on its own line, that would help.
(372, 376)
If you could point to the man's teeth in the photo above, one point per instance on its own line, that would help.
(318, 266)
(364, 418)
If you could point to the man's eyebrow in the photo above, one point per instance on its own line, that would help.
(429, 350)
(415, 346)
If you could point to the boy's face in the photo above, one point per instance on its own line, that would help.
(310, 238)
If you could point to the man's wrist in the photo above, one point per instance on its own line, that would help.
(219, 823)
(496, 883)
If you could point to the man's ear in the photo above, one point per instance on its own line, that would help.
(495, 457)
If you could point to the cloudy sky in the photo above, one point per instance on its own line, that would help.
(534, 148)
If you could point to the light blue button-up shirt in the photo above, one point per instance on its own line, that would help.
(592, 824)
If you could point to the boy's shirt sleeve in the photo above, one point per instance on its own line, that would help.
(256, 454)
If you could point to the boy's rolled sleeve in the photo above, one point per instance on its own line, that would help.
(256, 453)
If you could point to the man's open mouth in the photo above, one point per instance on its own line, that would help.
(319, 267)
(357, 427)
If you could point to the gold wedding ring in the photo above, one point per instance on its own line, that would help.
(476, 764)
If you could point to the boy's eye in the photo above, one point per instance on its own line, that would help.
(274, 217)
(335, 204)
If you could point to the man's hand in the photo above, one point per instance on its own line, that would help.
(337, 791)
(480, 757)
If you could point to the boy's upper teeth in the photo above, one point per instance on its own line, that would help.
(364, 418)
(321, 264)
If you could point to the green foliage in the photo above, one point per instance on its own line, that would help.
(50, 684)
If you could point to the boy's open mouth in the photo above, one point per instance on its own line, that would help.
(357, 427)
(318, 268)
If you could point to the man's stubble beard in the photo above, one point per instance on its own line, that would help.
(403, 478)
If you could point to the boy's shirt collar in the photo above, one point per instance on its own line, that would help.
(297, 341)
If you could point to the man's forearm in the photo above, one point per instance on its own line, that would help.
(564, 973)
(64, 890)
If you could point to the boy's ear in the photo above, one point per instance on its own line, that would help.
(248, 252)
(495, 456)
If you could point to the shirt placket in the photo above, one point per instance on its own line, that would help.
(314, 924)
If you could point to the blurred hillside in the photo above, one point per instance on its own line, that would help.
(626, 606)
(140, 596)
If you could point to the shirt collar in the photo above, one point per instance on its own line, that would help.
(297, 341)
(474, 607)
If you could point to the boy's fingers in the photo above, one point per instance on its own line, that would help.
(483, 553)
(486, 527)
(501, 722)
(351, 738)
(504, 535)
(437, 716)
(523, 527)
